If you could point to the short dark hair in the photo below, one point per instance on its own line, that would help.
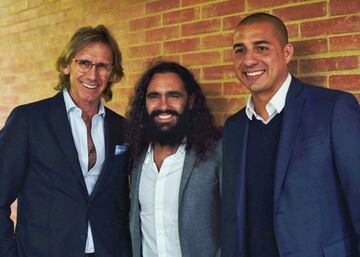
(202, 130)
(80, 40)
(278, 24)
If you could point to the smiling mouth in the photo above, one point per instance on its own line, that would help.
(254, 73)
(164, 116)
(89, 86)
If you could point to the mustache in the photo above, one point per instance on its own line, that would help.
(159, 112)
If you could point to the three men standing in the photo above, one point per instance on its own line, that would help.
(291, 157)
(63, 159)
(176, 155)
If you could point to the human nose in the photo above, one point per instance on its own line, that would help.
(163, 103)
(250, 59)
(92, 73)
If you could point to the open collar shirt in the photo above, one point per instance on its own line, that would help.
(79, 133)
(159, 201)
(274, 106)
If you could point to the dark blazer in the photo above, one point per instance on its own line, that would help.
(199, 205)
(39, 166)
(317, 176)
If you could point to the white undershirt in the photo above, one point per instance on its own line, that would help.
(159, 201)
(274, 106)
(79, 133)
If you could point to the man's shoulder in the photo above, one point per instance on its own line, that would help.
(39, 106)
(114, 116)
(235, 118)
(317, 91)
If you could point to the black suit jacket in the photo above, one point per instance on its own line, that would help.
(317, 176)
(39, 166)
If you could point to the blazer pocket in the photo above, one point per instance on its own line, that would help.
(345, 247)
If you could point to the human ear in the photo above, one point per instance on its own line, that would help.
(288, 52)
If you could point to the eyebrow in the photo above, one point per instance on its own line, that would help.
(254, 43)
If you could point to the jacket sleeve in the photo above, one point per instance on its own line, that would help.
(346, 148)
(13, 159)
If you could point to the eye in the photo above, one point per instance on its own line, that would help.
(102, 66)
(175, 95)
(262, 48)
(239, 50)
(152, 96)
(85, 63)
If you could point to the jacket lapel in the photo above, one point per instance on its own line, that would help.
(239, 145)
(290, 125)
(62, 130)
(189, 164)
(108, 155)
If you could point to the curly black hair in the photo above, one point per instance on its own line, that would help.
(202, 131)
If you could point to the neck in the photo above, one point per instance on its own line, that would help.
(260, 106)
(161, 152)
(89, 109)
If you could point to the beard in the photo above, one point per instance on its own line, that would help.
(165, 134)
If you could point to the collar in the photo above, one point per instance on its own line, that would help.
(71, 106)
(274, 106)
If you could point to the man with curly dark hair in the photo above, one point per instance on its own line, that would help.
(176, 159)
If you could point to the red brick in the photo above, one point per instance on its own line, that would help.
(231, 22)
(329, 64)
(345, 82)
(218, 72)
(223, 8)
(338, 7)
(293, 67)
(344, 43)
(200, 27)
(307, 47)
(170, 58)
(136, 37)
(145, 23)
(256, 4)
(144, 50)
(161, 5)
(196, 72)
(217, 41)
(181, 16)
(300, 12)
(234, 88)
(318, 80)
(9, 100)
(182, 45)
(293, 30)
(226, 104)
(162, 34)
(202, 58)
(129, 12)
(193, 2)
(123, 92)
(211, 89)
(331, 26)
(228, 57)
(132, 79)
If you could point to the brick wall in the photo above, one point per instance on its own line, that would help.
(326, 34)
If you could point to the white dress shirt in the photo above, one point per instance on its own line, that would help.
(159, 201)
(274, 106)
(79, 133)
